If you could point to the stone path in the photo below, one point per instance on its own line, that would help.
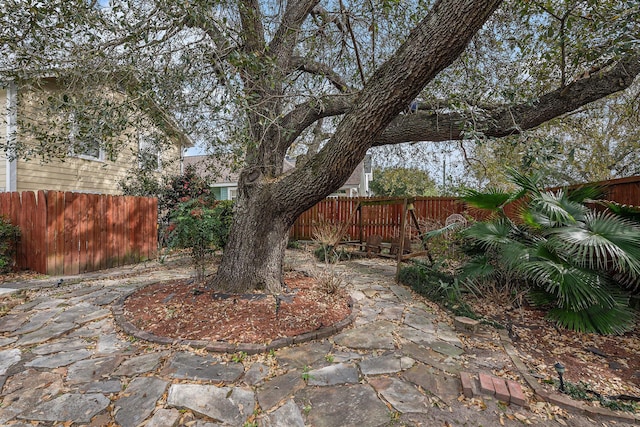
(63, 361)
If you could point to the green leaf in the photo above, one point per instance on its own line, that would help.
(595, 319)
(490, 234)
(493, 199)
(603, 243)
(574, 288)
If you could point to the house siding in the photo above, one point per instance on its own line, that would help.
(79, 174)
(87, 176)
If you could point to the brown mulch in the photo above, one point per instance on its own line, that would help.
(183, 310)
(609, 364)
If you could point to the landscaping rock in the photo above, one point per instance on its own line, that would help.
(224, 404)
(376, 335)
(78, 408)
(164, 418)
(446, 388)
(8, 358)
(90, 370)
(273, 391)
(139, 364)
(288, 415)
(403, 396)
(139, 401)
(446, 349)
(343, 406)
(466, 325)
(57, 360)
(335, 374)
(385, 364)
(191, 366)
(63, 344)
(308, 354)
(256, 373)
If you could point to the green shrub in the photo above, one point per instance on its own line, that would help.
(170, 191)
(580, 263)
(202, 226)
(438, 286)
(223, 209)
(293, 244)
(9, 236)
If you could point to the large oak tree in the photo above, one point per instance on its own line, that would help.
(258, 79)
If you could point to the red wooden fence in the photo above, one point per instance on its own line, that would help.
(71, 233)
(384, 219)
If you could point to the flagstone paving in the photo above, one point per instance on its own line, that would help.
(64, 361)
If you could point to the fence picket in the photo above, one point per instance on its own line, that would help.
(71, 233)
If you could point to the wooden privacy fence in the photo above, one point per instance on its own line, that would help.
(384, 218)
(381, 216)
(71, 233)
(625, 191)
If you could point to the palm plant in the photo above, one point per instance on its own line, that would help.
(578, 261)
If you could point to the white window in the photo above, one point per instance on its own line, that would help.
(233, 193)
(148, 153)
(82, 145)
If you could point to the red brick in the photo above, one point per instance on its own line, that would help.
(502, 392)
(466, 380)
(486, 384)
(517, 396)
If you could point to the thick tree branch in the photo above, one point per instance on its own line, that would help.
(252, 29)
(313, 67)
(499, 122)
(281, 47)
(306, 114)
(434, 44)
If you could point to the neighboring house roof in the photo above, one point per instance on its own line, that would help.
(212, 168)
(355, 178)
(219, 171)
(220, 174)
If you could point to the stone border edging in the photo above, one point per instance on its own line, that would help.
(117, 309)
(556, 398)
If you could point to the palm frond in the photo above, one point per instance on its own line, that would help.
(490, 234)
(528, 183)
(443, 230)
(595, 319)
(516, 253)
(585, 193)
(541, 298)
(477, 268)
(605, 242)
(625, 211)
(574, 288)
(492, 199)
(551, 210)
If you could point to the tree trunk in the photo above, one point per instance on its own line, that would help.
(254, 255)
(269, 201)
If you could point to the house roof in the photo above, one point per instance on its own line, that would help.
(214, 168)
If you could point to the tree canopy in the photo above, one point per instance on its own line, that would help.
(402, 182)
(257, 80)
